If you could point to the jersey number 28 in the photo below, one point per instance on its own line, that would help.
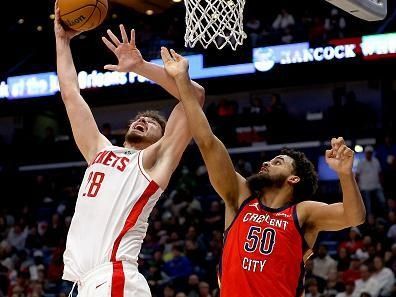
(95, 180)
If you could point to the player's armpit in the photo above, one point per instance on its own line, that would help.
(323, 217)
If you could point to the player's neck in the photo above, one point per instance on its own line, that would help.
(276, 197)
(136, 146)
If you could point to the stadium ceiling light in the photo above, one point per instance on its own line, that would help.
(177, 1)
(149, 12)
(358, 148)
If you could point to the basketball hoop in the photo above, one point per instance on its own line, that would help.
(369, 10)
(214, 21)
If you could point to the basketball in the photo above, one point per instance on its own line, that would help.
(83, 15)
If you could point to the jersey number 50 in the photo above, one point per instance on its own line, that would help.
(264, 239)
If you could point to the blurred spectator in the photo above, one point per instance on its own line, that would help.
(253, 26)
(392, 230)
(283, 26)
(368, 174)
(335, 25)
(343, 260)
(56, 231)
(334, 286)
(389, 178)
(313, 289)
(204, 289)
(55, 267)
(354, 241)
(323, 263)
(179, 266)
(17, 236)
(349, 288)
(384, 276)
(391, 258)
(353, 273)
(214, 217)
(386, 151)
(366, 284)
(316, 31)
(193, 286)
(320, 282)
(169, 291)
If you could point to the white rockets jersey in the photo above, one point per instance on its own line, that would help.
(110, 220)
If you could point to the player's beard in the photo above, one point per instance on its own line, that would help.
(132, 137)
(258, 182)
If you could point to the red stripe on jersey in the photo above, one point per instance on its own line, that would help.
(133, 216)
(118, 280)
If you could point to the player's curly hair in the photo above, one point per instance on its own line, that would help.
(155, 115)
(305, 170)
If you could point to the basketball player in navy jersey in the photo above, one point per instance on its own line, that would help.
(121, 184)
(271, 224)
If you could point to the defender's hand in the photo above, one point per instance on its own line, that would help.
(62, 33)
(129, 57)
(174, 64)
(340, 157)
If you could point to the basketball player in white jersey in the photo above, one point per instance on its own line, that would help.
(121, 184)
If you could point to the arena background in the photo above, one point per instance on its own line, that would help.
(266, 95)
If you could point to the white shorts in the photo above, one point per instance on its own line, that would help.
(117, 279)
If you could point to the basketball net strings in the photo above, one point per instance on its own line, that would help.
(214, 21)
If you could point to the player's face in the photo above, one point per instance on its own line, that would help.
(281, 165)
(273, 173)
(144, 130)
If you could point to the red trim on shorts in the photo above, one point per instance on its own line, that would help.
(117, 280)
(133, 216)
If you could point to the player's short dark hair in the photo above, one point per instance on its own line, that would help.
(153, 114)
(305, 170)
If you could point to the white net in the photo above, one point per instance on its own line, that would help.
(214, 21)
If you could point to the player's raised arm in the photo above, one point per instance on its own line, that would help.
(130, 60)
(218, 162)
(162, 158)
(337, 216)
(85, 131)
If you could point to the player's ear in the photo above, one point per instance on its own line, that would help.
(293, 179)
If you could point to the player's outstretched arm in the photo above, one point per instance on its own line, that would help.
(218, 162)
(130, 60)
(337, 216)
(85, 131)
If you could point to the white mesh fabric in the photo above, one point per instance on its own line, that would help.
(214, 21)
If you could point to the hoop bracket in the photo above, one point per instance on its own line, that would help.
(369, 10)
